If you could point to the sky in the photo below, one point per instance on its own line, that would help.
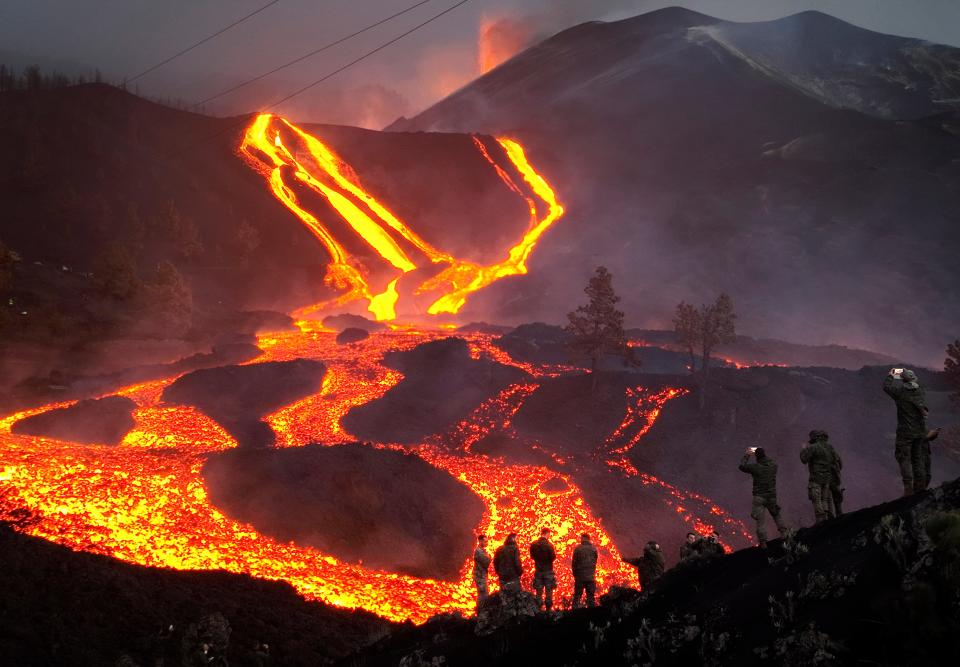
(122, 38)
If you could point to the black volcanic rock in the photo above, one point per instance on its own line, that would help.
(102, 421)
(800, 602)
(387, 509)
(352, 335)
(65, 607)
(442, 384)
(238, 396)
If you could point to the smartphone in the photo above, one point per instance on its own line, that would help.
(752, 450)
(898, 373)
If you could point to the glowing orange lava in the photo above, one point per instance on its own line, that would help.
(313, 165)
(145, 500)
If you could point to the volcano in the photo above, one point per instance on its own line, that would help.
(805, 166)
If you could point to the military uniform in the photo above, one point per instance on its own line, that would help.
(836, 481)
(585, 573)
(481, 566)
(819, 461)
(651, 565)
(506, 563)
(764, 473)
(911, 448)
(544, 579)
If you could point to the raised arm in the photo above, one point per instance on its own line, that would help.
(745, 464)
(891, 387)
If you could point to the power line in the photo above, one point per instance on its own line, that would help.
(311, 53)
(367, 54)
(202, 41)
(243, 120)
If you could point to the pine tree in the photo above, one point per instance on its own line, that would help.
(597, 327)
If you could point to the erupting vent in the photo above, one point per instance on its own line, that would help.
(402, 250)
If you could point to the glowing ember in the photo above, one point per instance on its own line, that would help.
(314, 166)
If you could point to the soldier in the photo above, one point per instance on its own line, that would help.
(688, 550)
(836, 482)
(585, 571)
(481, 566)
(820, 463)
(506, 563)
(711, 546)
(912, 446)
(544, 579)
(764, 473)
(652, 564)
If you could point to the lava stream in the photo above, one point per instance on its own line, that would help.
(324, 173)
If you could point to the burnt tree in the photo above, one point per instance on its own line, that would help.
(701, 330)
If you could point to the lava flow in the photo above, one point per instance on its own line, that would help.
(314, 166)
(145, 501)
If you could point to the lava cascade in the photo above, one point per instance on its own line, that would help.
(315, 166)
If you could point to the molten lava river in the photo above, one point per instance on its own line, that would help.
(145, 500)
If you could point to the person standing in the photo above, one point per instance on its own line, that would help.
(506, 563)
(585, 571)
(820, 462)
(764, 473)
(481, 568)
(912, 445)
(836, 478)
(688, 550)
(652, 565)
(544, 579)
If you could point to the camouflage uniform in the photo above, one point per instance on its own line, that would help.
(585, 573)
(544, 579)
(911, 449)
(481, 565)
(506, 563)
(836, 483)
(820, 463)
(652, 564)
(764, 473)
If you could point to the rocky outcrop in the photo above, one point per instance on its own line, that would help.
(102, 421)
(352, 335)
(238, 396)
(381, 507)
(442, 384)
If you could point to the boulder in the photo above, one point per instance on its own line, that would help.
(352, 335)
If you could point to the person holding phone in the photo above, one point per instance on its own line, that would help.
(912, 444)
(764, 473)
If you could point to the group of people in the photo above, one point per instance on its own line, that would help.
(824, 489)
(508, 568)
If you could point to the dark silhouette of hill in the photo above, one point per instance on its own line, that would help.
(698, 449)
(805, 166)
(63, 607)
(875, 586)
(100, 185)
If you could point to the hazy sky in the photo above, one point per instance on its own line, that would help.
(124, 37)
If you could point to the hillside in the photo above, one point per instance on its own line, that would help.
(796, 164)
(876, 587)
